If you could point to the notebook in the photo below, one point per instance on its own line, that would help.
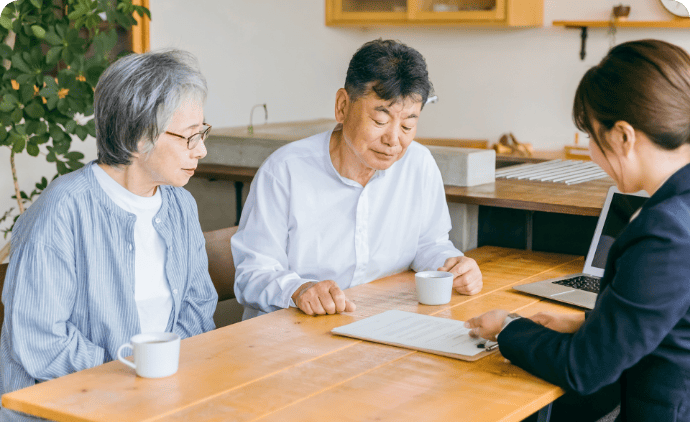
(582, 289)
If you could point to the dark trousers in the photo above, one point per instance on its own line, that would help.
(572, 407)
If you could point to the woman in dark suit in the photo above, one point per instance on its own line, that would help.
(635, 105)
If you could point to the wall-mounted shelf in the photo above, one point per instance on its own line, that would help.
(583, 25)
(676, 23)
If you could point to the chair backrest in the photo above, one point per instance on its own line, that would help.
(220, 264)
(3, 270)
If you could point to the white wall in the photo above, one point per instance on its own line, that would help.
(489, 81)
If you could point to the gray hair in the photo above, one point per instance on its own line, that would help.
(136, 98)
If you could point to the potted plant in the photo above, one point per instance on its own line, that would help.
(53, 54)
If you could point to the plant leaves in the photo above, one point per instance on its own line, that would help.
(5, 51)
(40, 139)
(61, 167)
(54, 55)
(52, 102)
(32, 149)
(6, 107)
(20, 64)
(53, 38)
(17, 115)
(70, 126)
(36, 3)
(74, 155)
(39, 32)
(6, 23)
(81, 132)
(19, 145)
(34, 110)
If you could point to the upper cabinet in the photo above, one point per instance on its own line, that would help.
(435, 12)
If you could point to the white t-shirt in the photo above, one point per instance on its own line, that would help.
(304, 222)
(151, 288)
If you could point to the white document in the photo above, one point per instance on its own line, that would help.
(415, 331)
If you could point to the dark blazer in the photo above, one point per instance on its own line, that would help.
(639, 330)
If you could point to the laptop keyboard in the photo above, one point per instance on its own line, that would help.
(588, 284)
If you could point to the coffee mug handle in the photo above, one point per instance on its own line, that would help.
(123, 360)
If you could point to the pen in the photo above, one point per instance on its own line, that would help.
(492, 347)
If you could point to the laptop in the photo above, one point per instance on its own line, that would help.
(582, 289)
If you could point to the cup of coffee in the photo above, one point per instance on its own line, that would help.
(434, 287)
(156, 355)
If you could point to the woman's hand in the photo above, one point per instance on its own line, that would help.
(563, 323)
(487, 325)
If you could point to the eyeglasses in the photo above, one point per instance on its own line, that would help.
(194, 140)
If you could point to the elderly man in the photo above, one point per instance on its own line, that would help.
(351, 205)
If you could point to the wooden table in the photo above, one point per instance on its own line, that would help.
(286, 366)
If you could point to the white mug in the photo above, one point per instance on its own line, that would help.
(434, 287)
(156, 355)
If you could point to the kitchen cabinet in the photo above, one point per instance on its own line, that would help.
(505, 13)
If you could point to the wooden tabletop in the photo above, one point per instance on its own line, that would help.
(581, 199)
(286, 366)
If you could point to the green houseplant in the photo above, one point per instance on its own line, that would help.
(53, 54)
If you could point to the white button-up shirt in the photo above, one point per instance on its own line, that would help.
(304, 222)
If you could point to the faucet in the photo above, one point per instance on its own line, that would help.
(250, 128)
(432, 99)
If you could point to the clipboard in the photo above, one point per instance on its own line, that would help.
(425, 333)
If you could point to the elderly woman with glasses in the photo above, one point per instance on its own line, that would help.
(115, 248)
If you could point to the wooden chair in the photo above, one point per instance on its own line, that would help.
(220, 264)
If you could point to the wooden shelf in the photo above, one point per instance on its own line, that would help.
(584, 25)
(676, 23)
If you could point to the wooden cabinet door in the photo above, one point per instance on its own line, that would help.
(366, 11)
(450, 11)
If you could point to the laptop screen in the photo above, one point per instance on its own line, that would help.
(621, 210)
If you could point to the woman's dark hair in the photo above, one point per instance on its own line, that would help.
(389, 68)
(645, 83)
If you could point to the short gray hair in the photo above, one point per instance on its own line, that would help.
(136, 98)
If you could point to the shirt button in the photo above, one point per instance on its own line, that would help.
(174, 291)
(130, 246)
(169, 248)
(158, 220)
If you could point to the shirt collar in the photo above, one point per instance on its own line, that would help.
(329, 163)
(677, 184)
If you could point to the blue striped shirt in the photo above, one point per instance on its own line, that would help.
(69, 289)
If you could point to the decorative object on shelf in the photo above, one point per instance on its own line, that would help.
(54, 55)
(250, 128)
(679, 8)
(508, 145)
(442, 7)
(618, 14)
(621, 12)
(577, 151)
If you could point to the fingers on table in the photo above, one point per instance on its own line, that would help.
(325, 297)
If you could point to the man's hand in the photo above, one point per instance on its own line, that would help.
(324, 297)
(563, 323)
(467, 277)
(487, 325)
